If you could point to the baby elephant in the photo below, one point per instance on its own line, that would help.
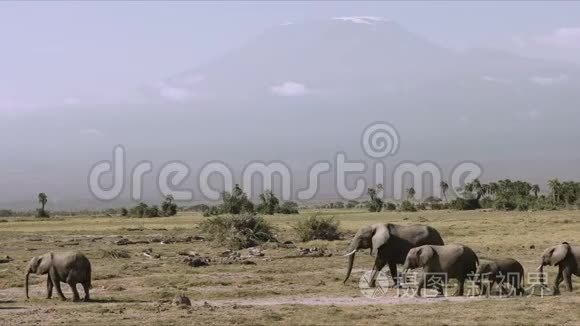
(447, 262)
(567, 258)
(67, 267)
(501, 271)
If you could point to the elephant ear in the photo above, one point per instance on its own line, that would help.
(44, 264)
(380, 237)
(559, 252)
(424, 254)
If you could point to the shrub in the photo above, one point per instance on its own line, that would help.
(238, 231)
(42, 213)
(352, 204)
(390, 206)
(236, 202)
(339, 205)
(317, 228)
(269, 203)
(375, 205)
(169, 207)
(463, 204)
(124, 211)
(288, 207)
(212, 211)
(6, 213)
(407, 206)
(152, 211)
(437, 206)
(505, 204)
(421, 206)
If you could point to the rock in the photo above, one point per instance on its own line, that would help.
(289, 245)
(311, 252)
(532, 247)
(6, 259)
(181, 300)
(196, 261)
(123, 242)
(187, 253)
(255, 252)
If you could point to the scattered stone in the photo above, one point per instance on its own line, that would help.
(257, 252)
(181, 300)
(289, 245)
(187, 253)
(149, 253)
(312, 252)
(123, 242)
(6, 259)
(196, 261)
(532, 247)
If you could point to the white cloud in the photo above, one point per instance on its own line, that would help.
(549, 81)
(367, 20)
(567, 37)
(176, 94)
(90, 132)
(289, 88)
(497, 80)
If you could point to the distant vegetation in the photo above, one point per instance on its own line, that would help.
(42, 199)
(317, 228)
(238, 231)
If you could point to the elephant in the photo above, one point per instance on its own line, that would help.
(500, 271)
(567, 258)
(67, 267)
(455, 261)
(390, 244)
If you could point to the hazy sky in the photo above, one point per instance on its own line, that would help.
(78, 52)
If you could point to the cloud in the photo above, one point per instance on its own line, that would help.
(90, 132)
(173, 93)
(289, 88)
(367, 20)
(567, 37)
(549, 81)
(497, 80)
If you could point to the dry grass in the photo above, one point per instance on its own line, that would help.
(135, 290)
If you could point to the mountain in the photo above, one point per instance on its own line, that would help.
(299, 93)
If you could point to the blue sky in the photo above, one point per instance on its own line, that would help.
(67, 52)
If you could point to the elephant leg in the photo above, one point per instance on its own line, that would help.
(379, 265)
(73, 287)
(567, 275)
(559, 279)
(461, 282)
(49, 287)
(394, 275)
(56, 283)
(420, 286)
(86, 287)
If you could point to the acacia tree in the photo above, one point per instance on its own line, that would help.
(375, 203)
(536, 190)
(411, 193)
(42, 199)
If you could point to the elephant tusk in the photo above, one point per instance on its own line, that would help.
(350, 253)
(539, 268)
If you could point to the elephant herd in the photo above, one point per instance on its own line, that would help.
(417, 246)
(413, 246)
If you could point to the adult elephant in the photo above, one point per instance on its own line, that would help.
(567, 258)
(390, 243)
(67, 267)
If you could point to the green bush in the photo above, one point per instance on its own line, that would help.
(390, 206)
(463, 204)
(169, 207)
(123, 211)
(236, 202)
(317, 228)
(437, 206)
(212, 211)
(238, 231)
(6, 213)
(352, 204)
(421, 206)
(288, 207)
(407, 206)
(42, 213)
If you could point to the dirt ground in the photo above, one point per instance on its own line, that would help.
(279, 287)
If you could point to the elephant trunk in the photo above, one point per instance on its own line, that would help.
(26, 284)
(541, 270)
(351, 252)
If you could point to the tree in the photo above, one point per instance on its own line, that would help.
(536, 190)
(42, 199)
(411, 193)
(444, 187)
(124, 212)
(168, 207)
(555, 185)
(236, 202)
(269, 203)
(376, 203)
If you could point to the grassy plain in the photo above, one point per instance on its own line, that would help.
(281, 287)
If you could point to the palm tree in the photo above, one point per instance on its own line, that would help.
(42, 199)
(410, 193)
(444, 187)
(536, 190)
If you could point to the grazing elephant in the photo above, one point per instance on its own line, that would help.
(390, 243)
(567, 258)
(456, 261)
(67, 267)
(501, 271)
